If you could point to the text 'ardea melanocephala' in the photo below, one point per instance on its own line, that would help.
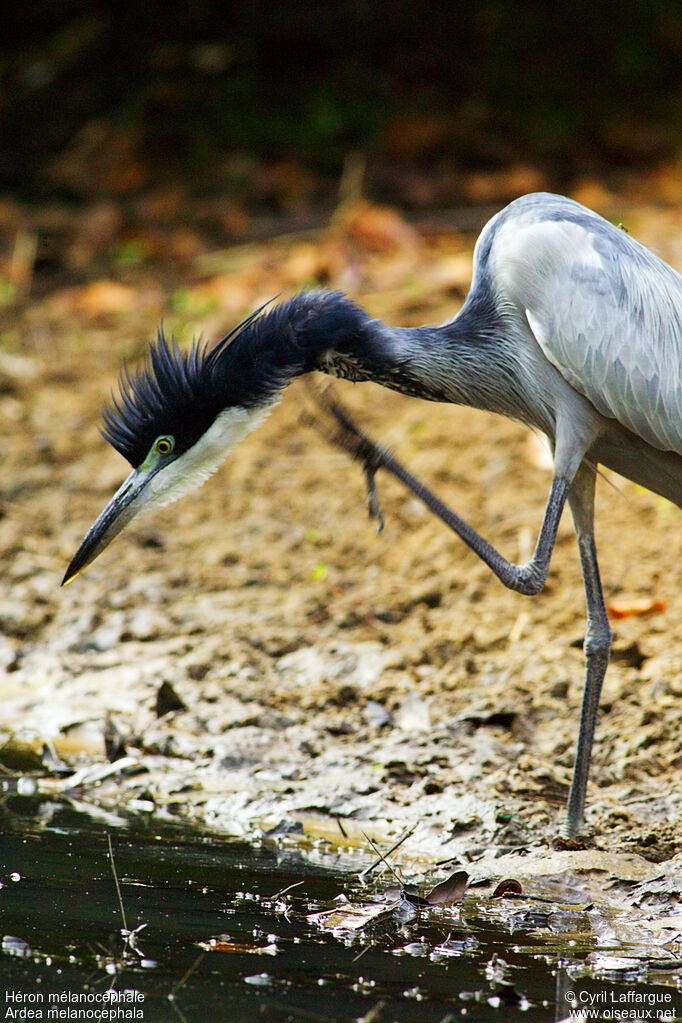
(570, 326)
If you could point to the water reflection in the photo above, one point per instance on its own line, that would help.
(202, 928)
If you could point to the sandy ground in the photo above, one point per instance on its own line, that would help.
(335, 681)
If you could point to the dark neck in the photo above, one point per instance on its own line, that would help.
(340, 339)
(326, 331)
(293, 338)
(470, 360)
(445, 363)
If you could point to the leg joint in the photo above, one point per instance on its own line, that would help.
(529, 579)
(598, 639)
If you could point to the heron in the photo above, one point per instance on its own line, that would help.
(570, 326)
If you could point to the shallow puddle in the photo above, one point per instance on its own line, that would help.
(220, 930)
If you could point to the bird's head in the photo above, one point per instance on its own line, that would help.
(177, 418)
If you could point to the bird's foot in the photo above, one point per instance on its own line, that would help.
(562, 843)
(347, 435)
(372, 497)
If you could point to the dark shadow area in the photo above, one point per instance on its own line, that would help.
(266, 101)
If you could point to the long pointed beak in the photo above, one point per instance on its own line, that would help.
(124, 506)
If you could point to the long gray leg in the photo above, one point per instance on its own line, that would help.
(597, 643)
(528, 579)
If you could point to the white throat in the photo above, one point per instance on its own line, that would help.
(195, 466)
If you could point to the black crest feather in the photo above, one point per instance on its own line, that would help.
(174, 393)
(180, 393)
(168, 381)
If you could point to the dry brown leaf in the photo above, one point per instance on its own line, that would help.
(636, 606)
(103, 297)
(376, 228)
(510, 886)
(450, 891)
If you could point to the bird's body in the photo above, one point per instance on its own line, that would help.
(568, 319)
(570, 326)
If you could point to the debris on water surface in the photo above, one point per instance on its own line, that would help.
(509, 887)
(258, 979)
(13, 946)
(454, 947)
(223, 944)
(449, 892)
(618, 968)
(348, 916)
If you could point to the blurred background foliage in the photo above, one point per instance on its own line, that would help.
(266, 100)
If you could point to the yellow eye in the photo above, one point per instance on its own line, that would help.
(164, 445)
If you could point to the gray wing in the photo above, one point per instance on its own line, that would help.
(606, 312)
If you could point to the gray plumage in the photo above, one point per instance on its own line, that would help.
(604, 310)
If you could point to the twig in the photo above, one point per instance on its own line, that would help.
(116, 882)
(382, 856)
(396, 845)
(188, 973)
(296, 884)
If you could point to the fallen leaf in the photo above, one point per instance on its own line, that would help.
(636, 606)
(102, 297)
(237, 948)
(450, 891)
(351, 916)
(510, 886)
(376, 228)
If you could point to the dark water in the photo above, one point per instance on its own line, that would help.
(61, 920)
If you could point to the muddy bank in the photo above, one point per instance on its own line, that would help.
(333, 681)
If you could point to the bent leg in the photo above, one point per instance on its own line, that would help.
(528, 579)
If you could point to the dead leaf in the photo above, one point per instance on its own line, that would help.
(510, 886)
(103, 297)
(237, 947)
(450, 891)
(350, 916)
(376, 228)
(636, 606)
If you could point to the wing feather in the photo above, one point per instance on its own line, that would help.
(606, 312)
